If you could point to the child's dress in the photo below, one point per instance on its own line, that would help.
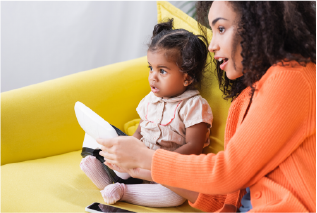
(165, 120)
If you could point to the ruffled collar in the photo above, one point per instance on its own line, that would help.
(185, 95)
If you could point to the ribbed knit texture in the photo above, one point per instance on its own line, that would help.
(272, 151)
(95, 171)
(151, 195)
(113, 192)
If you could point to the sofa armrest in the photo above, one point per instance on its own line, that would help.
(39, 120)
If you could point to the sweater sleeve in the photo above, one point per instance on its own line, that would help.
(274, 127)
(209, 203)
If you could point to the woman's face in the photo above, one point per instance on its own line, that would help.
(225, 43)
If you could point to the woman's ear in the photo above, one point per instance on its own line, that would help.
(187, 80)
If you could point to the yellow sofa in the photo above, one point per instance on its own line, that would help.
(41, 139)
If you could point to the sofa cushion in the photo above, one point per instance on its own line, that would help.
(39, 120)
(55, 184)
(130, 127)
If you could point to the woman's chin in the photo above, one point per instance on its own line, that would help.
(233, 74)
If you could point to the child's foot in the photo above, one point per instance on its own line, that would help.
(113, 193)
(95, 171)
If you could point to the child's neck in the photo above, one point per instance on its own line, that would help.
(175, 94)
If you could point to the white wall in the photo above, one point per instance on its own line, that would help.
(43, 40)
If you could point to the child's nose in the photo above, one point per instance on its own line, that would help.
(153, 76)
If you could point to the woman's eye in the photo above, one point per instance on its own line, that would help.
(163, 71)
(221, 29)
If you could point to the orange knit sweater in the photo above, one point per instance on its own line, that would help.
(272, 151)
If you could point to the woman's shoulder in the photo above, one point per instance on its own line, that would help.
(281, 76)
(286, 81)
(288, 72)
(292, 68)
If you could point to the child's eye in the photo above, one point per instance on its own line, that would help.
(150, 68)
(163, 71)
(221, 29)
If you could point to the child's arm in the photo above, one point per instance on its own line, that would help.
(195, 139)
(137, 133)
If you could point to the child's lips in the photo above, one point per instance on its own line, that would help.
(154, 89)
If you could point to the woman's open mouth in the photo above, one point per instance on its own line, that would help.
(224, 62)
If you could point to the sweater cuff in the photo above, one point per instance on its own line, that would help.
(208, 203)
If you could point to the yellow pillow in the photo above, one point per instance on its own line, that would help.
(130, 127)
(209, 90)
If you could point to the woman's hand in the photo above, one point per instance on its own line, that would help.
(126, 152)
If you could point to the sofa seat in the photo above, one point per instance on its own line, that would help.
(56, 184)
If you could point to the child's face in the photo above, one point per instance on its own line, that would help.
(225, 42)
(165, 78)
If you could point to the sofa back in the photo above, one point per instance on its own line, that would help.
(39, 120)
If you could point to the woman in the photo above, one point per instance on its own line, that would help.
(267, 60)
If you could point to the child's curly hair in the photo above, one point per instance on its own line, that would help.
(188, 50)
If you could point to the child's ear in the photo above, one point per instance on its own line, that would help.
(187, 80)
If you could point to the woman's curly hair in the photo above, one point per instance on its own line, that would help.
(271, 32)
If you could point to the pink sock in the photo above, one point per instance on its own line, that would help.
(113, 193)
(94, 170)
(151, 195)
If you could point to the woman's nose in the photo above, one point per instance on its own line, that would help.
(213, 46)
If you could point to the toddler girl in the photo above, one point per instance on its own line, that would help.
(173, 115)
